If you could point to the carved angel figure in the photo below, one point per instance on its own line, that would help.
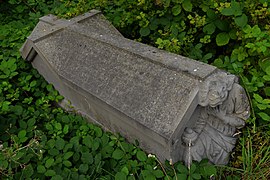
(224, 109)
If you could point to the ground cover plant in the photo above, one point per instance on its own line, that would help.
(39, 140)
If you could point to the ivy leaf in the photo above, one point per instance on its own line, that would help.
(196, 176)
(88, 140)
(118, 154)
(67, 163)
(187, 6)
(65, 129)
(17, 109)
(125, 170)
(98, 131)
(120, 175)
(222, 39)
(53, 151)
(67, 155)
(95, 145)
(193, 168)
(223, 25)
(264, 116)
(31, 122)
(211, 15)
(209, 28)
(266, 77)
(158, 173)
(147, 174)
(22, 134)
(207, 56)
(241, 21)
(180, 176)
(182, 169)
(60, 143)
(28, 171)
(41, 169)
(83, 168)
(236, 8)
(258, 98)
(57, 177)
(233, 33)
(267, 70)
(227, 11)
(209, 170)
(141, 156)
(267, 91)
(50, 173)
(145, 31)
(33, 83)
(176, 10)
(49, 162)
(87, 158)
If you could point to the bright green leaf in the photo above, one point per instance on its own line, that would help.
(118, 154)
(264, 116)
(258, 98)
(141, 156)
(98, 131)
(125, 170)
(33, 83)
(49, 162)
(22, 134)
(222, 39)
(267, 91)
(176, 10)
(267, 70)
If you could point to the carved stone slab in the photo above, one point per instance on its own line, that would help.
(173, 105)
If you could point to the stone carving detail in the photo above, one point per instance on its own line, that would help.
(223, 107)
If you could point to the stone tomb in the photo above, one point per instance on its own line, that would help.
(177, 108)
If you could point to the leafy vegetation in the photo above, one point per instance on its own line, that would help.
(39, 140)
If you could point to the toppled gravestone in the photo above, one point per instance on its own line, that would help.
(177, 108)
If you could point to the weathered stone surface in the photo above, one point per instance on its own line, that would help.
(128, 87)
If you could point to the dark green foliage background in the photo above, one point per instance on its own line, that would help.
(39, 140)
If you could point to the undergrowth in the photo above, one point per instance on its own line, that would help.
(39, 140)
